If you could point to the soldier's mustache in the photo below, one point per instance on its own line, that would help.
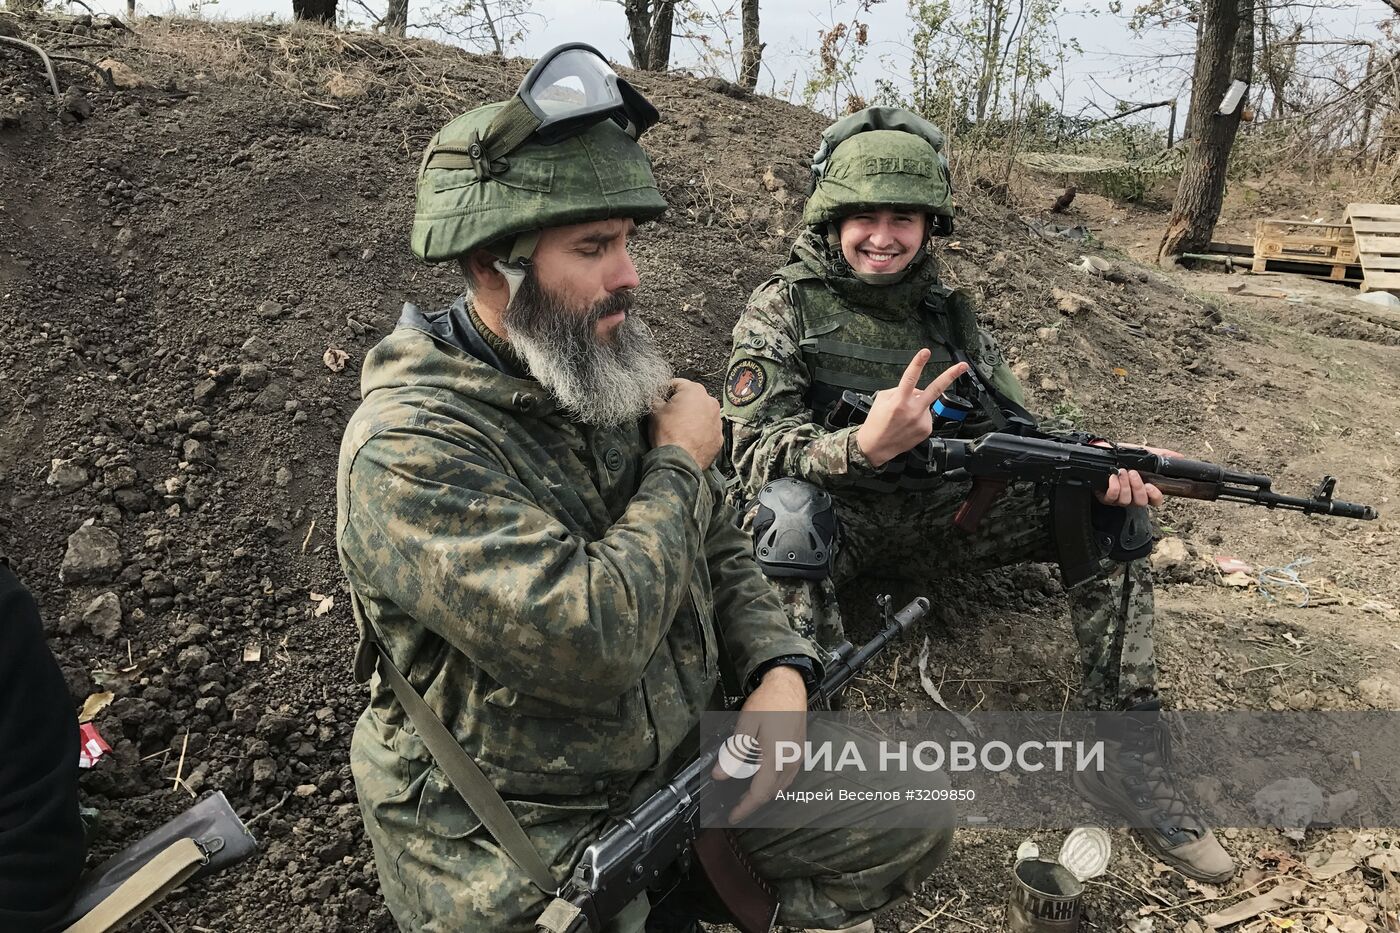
(622, 300)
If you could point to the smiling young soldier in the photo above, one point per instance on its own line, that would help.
(543, 569)
(859, 306)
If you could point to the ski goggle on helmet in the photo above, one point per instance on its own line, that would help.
(570, 89)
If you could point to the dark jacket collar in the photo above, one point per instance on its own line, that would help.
(453, 326)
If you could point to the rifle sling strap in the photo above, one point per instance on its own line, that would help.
(467, 777)
(144, 889)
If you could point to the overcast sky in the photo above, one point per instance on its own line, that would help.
(1114, 61)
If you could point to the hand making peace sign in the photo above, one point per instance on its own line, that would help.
(900, 418)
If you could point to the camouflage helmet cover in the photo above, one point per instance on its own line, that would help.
(879, 158)
(598, 174)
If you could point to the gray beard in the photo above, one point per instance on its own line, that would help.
(604, 383)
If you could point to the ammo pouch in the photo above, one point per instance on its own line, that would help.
(205, 839)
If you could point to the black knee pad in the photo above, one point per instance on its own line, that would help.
(795, 531)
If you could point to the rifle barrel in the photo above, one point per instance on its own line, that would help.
(1273, 500)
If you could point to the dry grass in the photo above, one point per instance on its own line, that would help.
(313, 61)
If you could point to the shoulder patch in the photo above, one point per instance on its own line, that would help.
(747, 381)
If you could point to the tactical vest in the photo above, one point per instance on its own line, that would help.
(846, 349)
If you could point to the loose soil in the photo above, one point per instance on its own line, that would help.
(176, 264)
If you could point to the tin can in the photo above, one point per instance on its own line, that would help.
(1045, 898)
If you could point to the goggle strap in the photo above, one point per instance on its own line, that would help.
(510, 129)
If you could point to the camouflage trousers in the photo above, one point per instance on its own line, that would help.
(911, 536)
(439, 871)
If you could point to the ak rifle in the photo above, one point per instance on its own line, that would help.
(665, 836)
(1075, 466)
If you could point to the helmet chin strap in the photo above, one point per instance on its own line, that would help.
(514, 264)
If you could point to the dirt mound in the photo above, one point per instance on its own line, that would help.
(180, 256)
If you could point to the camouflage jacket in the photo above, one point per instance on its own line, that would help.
(810, 332)
(560, 595)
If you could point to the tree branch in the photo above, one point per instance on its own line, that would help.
(1118, 116)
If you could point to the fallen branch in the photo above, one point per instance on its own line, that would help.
(48, 65)
(104, 73)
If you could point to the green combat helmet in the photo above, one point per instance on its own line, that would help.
(562, 151)
(880, 157)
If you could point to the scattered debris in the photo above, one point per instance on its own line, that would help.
(335, 359)
(94, 704)
(324, 604)
(252, 654)
(1380, 299)
(1326, 868)
(1284, 893)
(1095, 265)
(1069, 302)
(92, 747)
(1275, 581)
(927, 683)
(1229, 565)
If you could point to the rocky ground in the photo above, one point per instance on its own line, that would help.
(193, 266)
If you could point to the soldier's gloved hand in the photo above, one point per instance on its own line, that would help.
(1128, 487)
(900, 418)
(689, 419)
(775, 712)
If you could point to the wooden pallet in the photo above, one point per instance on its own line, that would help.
(1346, 274)
(1376, 228)
(1329, 248)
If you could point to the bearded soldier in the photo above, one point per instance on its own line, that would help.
(860, 307)
(543, 567)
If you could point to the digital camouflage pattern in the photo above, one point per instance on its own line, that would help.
(813, 330)
(1111, 615)
(879, 168)
(812, 336)
(564, 598)
(599, 174)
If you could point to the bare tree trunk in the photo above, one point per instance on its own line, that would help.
(491, 28)
(1368, 114)
(649, 23)
(752, 56)
(995, 11)
(1224, 53)
(320, 11)
(395, 19)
